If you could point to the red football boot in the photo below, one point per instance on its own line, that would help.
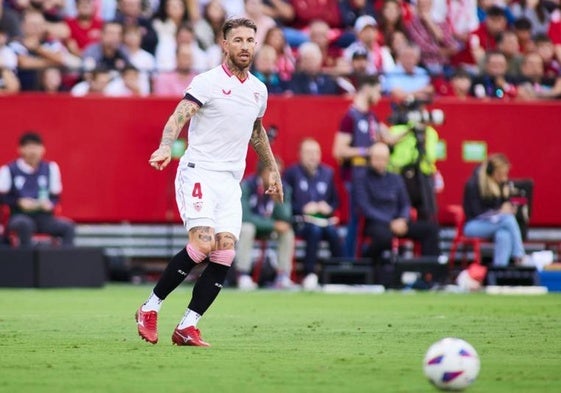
(147, 323)
(188, 336)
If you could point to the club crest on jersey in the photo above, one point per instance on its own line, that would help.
(256, 96)
(226, 92)
(198, 205)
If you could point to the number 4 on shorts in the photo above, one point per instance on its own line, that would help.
(197, 191)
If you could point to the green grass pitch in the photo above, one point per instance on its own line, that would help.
(85, 340)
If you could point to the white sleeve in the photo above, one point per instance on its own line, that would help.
(263, 107)
(54, 178)
(199, 88)
(5, 179)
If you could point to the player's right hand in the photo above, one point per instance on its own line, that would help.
(160, 158)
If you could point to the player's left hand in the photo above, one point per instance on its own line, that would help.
(275, 188)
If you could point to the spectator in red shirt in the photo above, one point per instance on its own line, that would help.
(545, 48)
(85, 28)
(306, 11)
(286, 62)
(458, 86)
(481, 40)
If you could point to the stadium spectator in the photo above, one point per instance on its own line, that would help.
(314, 203)
(165, 55)
(494, 81)
(254, 10)
(359, 69)
(522, 27)
(383, 202)
(94, 83)
(142, 60)
(9, 22)
(458, 85)
(554, 31)
(286, 63)
(264, 68)
(170, 16)
(507, 44)
(31, 187)
(108, 53)
(208, 28)
(351, 10)
(434, 39)
(85, 27)
(233, 8)
(9, 82)
(174, 83)
(306, 11)
(309, 78)
(546, 49)
(280, 10)
(398, 39)
(332, 64)
(407, 79)
(368, 37)
(105, 10)
(36, 51)
(50, 80)
(537, 12)
(129, 12)
(359, 129)
(489, 213)
(391, 20)
(263, 218)
(127, 84)
(533, 83)
(8, 58)
(461, 15)
(481, 40)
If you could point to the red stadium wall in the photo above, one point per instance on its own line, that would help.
(103, 145)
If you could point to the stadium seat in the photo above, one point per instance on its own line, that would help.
(398, 243)
(461, 240)
(12, 238)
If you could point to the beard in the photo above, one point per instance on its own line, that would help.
(240, 63)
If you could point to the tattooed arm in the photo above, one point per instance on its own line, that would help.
(184, 111)
(260, 143)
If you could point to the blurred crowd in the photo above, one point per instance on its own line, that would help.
(501, 49)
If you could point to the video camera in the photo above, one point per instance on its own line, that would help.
(413, 112)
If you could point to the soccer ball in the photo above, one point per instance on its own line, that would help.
(451, 364)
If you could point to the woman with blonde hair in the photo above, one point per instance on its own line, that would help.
(489, 212)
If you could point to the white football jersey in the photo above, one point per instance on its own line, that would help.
(219, 132)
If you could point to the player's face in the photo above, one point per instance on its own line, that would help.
(239, 46)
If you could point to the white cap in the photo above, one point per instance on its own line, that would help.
(363, 21)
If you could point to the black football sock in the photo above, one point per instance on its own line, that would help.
(176, 271)
(207, 287)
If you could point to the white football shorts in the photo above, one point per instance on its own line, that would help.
(208, 198)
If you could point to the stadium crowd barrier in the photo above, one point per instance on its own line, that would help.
(103, 144)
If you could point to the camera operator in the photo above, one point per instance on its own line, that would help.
(414, 154)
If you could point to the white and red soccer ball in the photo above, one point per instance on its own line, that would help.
(451, 364)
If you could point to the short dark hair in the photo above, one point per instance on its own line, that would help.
(237, 22)
(367, 80)
(522, 23)
(30, 137)
(495, 11)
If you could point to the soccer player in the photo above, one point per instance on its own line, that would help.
(225, 105)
